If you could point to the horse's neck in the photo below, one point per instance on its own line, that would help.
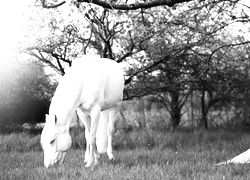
(62, 110)
(64, 101)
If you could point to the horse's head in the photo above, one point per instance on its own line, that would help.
(55, 141)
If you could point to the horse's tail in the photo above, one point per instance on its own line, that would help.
(102, 132)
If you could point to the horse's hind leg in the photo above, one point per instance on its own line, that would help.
(113, 113)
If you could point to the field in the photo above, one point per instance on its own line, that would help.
(140, 154)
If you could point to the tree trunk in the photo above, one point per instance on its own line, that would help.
(204, 110)
(142, 119)
(175, 119)
(192, 109)
(175, 114)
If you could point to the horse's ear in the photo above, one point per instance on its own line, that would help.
(46, 117)
(50, 118)
(55, 119)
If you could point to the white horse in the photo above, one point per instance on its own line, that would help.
(91, 85)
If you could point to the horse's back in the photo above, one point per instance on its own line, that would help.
(105, 80)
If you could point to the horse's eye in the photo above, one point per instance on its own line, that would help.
(51, 142)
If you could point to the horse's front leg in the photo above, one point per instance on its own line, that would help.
(87, 150)
(93, 155)
(86, 122)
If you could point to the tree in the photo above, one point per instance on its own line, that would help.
(25, 93)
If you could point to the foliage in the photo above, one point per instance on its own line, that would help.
(25, 93)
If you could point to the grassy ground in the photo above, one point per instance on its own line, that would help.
(139, 155)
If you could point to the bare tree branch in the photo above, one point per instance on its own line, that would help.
(127, 81)
(130, 52)
(56, 56)
(119, 6)
(146, 93)
(152, 90)
(137, 5)
(226, 45)
(42, 59)
(50, 5)
(88, 42)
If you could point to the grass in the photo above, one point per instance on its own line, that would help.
(139, 154)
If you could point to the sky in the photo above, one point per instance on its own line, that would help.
(12, 21)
